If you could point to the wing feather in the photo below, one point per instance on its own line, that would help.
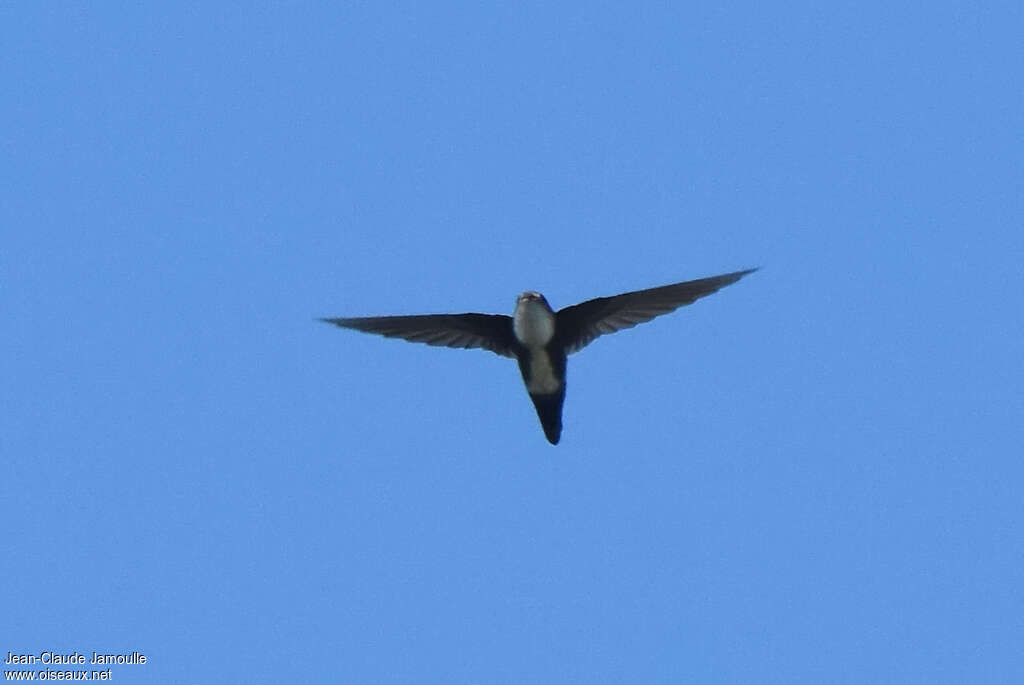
(485, 331)
(580, 324)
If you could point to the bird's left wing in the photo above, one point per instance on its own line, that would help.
(487, 331)
(581, 323)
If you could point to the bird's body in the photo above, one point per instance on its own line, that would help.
(539, 338)
(541, 362)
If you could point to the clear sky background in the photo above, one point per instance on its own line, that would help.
(811, 476)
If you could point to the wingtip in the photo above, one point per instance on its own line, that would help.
(737, 275)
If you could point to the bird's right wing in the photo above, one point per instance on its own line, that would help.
(486, 331)
(590, 319)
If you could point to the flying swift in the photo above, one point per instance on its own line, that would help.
(538, 337)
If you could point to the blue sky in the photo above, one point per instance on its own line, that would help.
(811, 476)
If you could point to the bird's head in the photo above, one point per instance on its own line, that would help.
(532, 297)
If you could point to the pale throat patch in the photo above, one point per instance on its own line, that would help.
(534, 324)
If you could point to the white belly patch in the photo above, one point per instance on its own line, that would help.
(542, 375)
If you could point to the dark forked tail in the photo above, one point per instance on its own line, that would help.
(549, 411)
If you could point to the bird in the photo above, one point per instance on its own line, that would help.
(538, 337)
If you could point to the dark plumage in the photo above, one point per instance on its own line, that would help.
(539, 338)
